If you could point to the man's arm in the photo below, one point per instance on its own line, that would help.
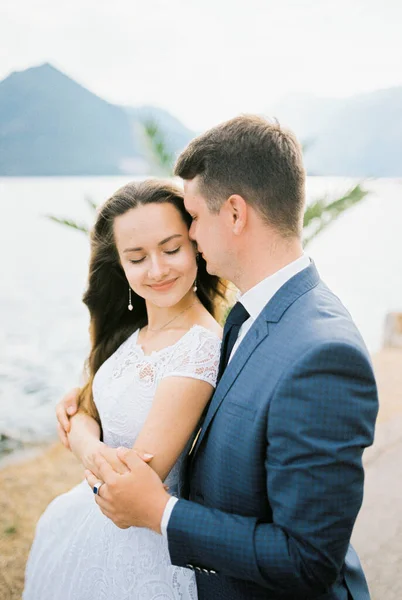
(321, 417)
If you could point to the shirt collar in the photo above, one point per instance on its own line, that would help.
(258, 296)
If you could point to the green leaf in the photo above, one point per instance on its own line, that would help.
(69, 223)
(321, 213)
(92, 205)
(318, 215)
(160, 154)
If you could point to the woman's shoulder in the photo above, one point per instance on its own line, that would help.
(209, 325)
(207, 333)
(196, 354)
(199, 338)
(203, 334)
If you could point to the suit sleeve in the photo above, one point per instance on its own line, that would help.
(320, 419)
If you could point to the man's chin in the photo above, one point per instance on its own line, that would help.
(210, 268)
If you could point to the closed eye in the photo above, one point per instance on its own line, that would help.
(140, 260)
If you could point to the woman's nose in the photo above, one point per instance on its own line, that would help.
(158, 269)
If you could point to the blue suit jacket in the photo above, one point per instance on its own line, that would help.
(276, 478)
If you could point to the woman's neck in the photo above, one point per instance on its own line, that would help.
(160, 317)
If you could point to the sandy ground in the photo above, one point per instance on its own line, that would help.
(25, 491)
(377, 536)
(27, 487)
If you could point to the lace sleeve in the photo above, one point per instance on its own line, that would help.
(197, 356)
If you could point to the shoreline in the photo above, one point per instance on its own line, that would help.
(31, 477)
(25, 453)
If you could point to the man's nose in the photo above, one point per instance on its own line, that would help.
(191, 233)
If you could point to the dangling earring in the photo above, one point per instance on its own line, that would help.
(197, 258)
(130, 306)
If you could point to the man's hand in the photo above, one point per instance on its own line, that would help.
(66, 408)
(136, 498)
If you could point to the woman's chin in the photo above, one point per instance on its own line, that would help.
(168, 300)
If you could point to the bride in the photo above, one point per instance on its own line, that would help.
(151, 372)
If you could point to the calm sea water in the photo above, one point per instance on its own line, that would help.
(43, 269)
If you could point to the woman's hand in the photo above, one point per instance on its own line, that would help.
(90, 457)
(66, 408)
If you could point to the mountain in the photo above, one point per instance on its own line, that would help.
(51, 125)
(360, 136)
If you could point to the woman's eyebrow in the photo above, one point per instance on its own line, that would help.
(165, 241)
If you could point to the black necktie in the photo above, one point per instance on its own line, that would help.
(235, 320)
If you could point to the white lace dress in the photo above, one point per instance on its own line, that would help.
(79, 554)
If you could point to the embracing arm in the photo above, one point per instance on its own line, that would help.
(84, 441)
(138, 497)
(84, 437)
(320, 419)
(65, 409)
(180, 399)
(80, 433)
(176, 410)
(77, 431)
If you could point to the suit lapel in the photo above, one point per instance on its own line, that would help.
(273, 311)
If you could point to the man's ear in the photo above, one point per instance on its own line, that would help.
(238, 212)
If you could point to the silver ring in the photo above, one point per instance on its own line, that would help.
(97, 487)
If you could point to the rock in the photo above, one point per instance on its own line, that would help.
(8, 444)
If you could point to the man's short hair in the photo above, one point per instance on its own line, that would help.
(255, 158)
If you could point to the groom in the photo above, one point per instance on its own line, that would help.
(275, 479)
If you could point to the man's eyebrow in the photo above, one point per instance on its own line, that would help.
(165, 241)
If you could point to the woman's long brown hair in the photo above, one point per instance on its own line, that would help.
(106, 297)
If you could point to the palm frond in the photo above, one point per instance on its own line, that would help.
(69, 223)
(92, 205)
(160, 152)
(321, 213)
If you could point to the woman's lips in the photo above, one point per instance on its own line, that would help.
(163, 287)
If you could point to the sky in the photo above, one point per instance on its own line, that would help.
(208, 60)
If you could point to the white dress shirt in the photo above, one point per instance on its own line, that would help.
(254, 300)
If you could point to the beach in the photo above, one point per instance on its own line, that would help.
(28, 485)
